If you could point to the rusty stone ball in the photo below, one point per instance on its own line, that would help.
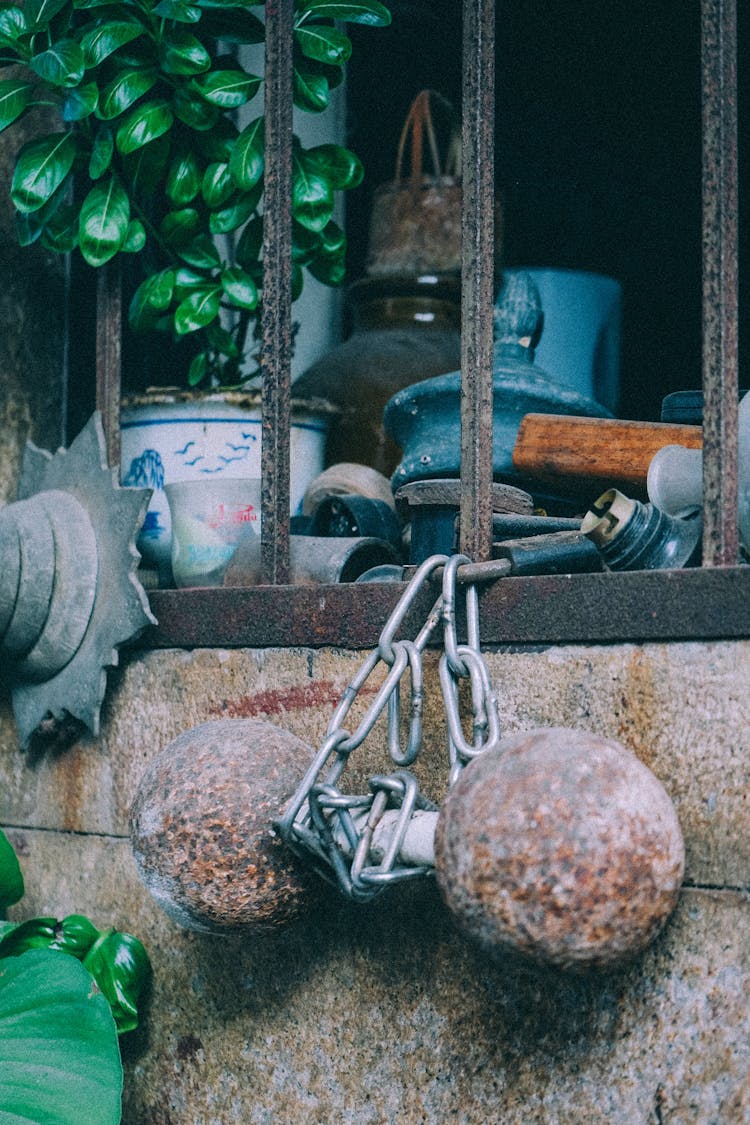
(561, 846)
(201, 827)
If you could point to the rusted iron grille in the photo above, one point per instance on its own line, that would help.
(712, 602)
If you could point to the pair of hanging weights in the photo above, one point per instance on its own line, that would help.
(556, 844)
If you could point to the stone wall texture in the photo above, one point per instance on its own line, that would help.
(384, 1013)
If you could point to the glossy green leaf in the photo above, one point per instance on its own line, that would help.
(187, 279)
(34, 933)
(239, 287)
(11, 878)
(325, 44)
(104, 221)
(228, 89)
(247, 160)
(144, 123)
(135, 239)
(235, 26)
(59, 1055)
(81, 102)
(198, 369)
(102, 41)
(60, 233)
(218, 187)
(61, 65)
(305, 243)
(362, 11)
(328, 270)
(102, 152)
(120, 966)
(310, 91)
(75, 935)
(181, 53)
(28, 228)
(312, 196)
(40, 12)
(143, 318)
(146, 166)
(14, 98)
(124, 90)
(183, 179)
(42, 166)
(152, 296)
(159, 289)
(136, 55)
(222, 340)
(197, 310)
(178, 10)
(232, 217)
(12, 24)
(178, 228)
(141, 54)
(340, 166)
(332, 240)
(193, 111)
(201, 253)
(310, 247)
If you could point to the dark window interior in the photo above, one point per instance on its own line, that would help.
(598, 133)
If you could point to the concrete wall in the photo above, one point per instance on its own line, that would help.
(383, 1013)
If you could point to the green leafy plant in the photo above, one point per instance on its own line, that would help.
(59, 1058)
(150, 161)
(66, 991)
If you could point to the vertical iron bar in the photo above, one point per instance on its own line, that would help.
(276, 316)
(477, 275)
(720, 280)
(109, 355)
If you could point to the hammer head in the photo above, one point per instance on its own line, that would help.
(201, 827)
(562, 846)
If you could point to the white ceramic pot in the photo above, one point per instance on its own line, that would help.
(180, 436)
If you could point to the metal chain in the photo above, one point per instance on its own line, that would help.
(337, 831)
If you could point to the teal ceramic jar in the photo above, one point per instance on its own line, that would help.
(425, 419)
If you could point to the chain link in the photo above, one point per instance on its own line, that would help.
(338, 832)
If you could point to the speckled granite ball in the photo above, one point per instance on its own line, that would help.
(562, 846)
(201, 826)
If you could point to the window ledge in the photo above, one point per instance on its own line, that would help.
(664, 605)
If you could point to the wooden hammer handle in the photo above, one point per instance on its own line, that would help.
(605, 450)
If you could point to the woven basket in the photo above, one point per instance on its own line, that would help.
(415, 227)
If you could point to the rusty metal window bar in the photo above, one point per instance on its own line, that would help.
(711, 601)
